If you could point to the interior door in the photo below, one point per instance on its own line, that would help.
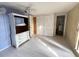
(34, 22)
(60, 25)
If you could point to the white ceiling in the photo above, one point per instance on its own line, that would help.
(42, 7)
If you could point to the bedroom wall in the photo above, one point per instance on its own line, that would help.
(45, 25)
(4, 32)
(5, 41)
(71, 27)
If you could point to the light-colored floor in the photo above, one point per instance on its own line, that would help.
(40, 46)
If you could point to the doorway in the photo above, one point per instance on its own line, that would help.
(60, 21)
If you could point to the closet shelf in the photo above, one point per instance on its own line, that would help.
(23, 24)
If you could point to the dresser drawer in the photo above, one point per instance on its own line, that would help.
(22, 37)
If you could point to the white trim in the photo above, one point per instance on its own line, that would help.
(15, 14)
(77, 38)
(5, 48)
(77, 51)
(59, 14)
(65, 24)
(54, 32)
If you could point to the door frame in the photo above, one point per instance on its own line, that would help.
(55, 20)
(34, 25)
(77, 38)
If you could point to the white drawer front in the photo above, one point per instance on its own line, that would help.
(22, 37)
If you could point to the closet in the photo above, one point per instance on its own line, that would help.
(19, 25)
(45, 25)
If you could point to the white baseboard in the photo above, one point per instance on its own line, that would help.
(5, 48)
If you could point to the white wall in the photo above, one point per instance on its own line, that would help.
(45, 25)
(31, 26)
(4, 32)
(5, 40)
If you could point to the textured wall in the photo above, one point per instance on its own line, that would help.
(72, 22)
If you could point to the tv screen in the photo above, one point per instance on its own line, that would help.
(19, 20)
(21, 24)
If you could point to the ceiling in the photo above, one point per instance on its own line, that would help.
(39, 8)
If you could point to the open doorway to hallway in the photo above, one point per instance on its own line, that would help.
(60, 24)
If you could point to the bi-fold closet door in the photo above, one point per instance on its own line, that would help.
(4, 32)
(45, 25)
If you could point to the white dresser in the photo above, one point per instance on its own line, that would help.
(22, 37)
(20, 31)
